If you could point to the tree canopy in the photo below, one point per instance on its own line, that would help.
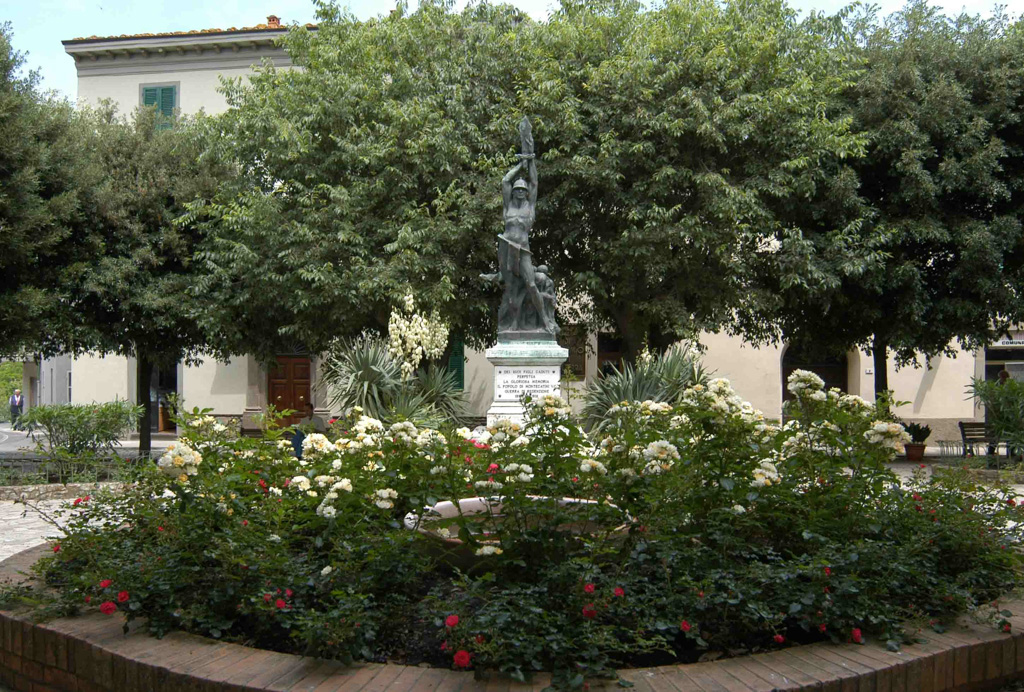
(44, 227)
(666, 140)
(940, 103)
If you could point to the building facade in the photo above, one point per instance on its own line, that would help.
(181, 72)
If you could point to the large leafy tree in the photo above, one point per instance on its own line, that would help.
(131, 298)
(370, 173)
(667, 141)
(679, 139)
(940, 103)
(46, 236)
(97, 257)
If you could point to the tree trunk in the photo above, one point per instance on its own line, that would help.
(143, 380)
(660, 340)
(880, 354)
(633, 332)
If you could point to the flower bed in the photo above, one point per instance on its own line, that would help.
(743, 535)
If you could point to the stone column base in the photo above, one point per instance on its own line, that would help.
(523, 368)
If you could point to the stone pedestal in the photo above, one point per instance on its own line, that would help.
(523, 367)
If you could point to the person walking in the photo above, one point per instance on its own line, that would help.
(17, 402)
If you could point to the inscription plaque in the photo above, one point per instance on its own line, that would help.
(512, 382)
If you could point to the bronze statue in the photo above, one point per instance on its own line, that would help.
(528, 302)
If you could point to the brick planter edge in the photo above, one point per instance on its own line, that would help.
(92, 654)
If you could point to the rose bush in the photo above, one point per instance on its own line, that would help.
(676, 529)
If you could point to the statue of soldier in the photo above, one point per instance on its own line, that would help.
(515, 261)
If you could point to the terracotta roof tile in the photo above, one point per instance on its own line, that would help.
(193, 32)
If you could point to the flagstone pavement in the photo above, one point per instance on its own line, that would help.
(22, 527)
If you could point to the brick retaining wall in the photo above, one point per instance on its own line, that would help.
(92, 654)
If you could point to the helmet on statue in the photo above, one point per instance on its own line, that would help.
(520, 185)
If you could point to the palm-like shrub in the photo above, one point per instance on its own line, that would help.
(1004, 408)
(363, 372)
(440, 389)
(662, 377)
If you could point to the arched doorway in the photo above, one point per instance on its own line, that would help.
(832, 369)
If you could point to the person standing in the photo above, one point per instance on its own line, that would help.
(17, 402)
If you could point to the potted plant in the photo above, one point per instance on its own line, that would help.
(918, 434)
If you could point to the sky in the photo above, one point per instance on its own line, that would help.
(39, 26)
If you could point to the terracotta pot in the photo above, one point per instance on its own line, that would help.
(915, 451)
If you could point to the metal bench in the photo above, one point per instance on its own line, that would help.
(973, 433)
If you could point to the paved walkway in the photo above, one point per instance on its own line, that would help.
(16, 442)
(22, 527)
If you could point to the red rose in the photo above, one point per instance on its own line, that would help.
(288, 593)
(280, 603)
(828, 571)
(451, 621)
(108, 608)
(684, 626)
(480, 639)
(589, 611)
(77, 501)
(105, 583)
(779, 638)
(588, 588)
(56, 548)
(122, 596)
(245, 522)
(267, 597)
(159, 528)
(462, 658)
(856, 635)
(444, 646)
(88, 599)
(1006, 627)
(493, 468)
(619, 591)
(822, 628)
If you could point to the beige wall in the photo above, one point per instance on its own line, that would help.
(755, 373)
(197, 89)
(479, 382)
(100, 378)
(30, 374)
(935, 395)
(935, 391)
(215, 385)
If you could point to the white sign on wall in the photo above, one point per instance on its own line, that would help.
(511, 382)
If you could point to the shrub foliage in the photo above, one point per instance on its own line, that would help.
(677, 529)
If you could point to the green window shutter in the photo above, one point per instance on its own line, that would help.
(164, 99)
(457, 362)
(167, 100)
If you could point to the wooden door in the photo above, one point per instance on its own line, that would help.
(288, 386)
